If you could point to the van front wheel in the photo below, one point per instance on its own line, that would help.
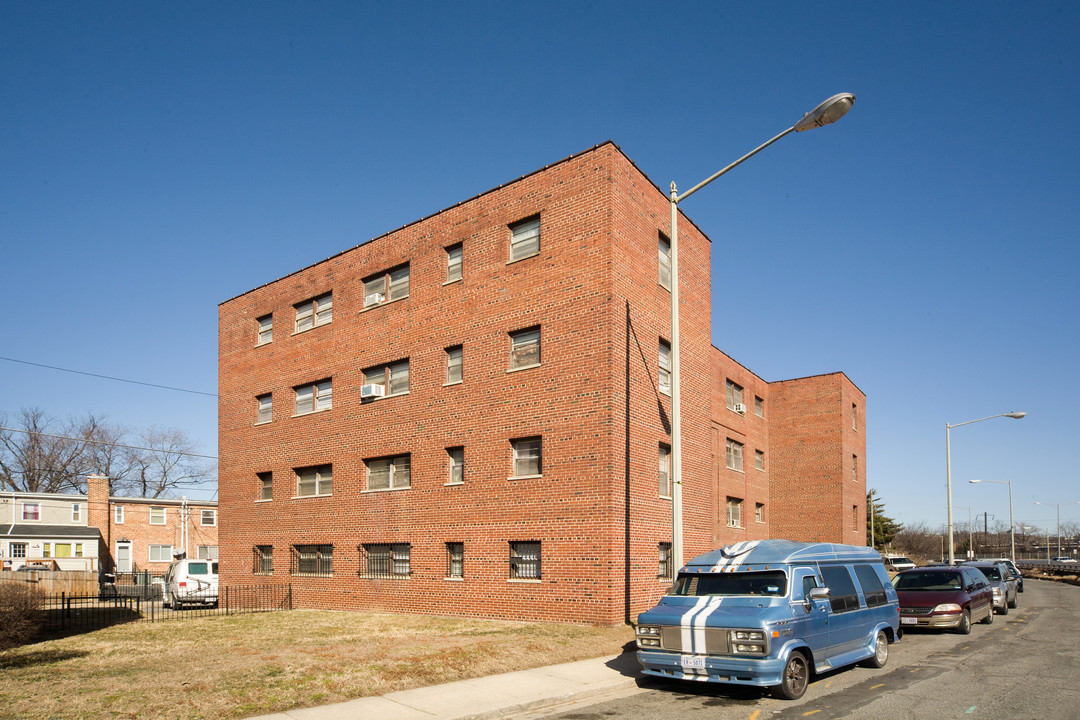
(881, 652)
(795, 678)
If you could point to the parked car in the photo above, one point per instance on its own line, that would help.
(1017, 575)
(896, 563)
(944, 596)
(1064, 559)
(190, 581)
(1001, 582)
(770, 613)
(33, 566)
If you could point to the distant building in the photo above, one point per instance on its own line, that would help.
(471, 415)
(100, 533)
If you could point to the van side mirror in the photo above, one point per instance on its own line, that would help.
(818, 593)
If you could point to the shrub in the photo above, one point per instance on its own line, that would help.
(20, 613)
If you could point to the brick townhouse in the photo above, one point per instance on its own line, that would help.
(471, 415)
(103, 533)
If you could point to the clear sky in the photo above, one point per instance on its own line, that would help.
(157, 159)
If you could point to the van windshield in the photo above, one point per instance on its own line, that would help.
(769, 584)
(929, 580)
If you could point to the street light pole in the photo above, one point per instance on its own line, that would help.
(826, 113)
(1058, 506)
(1012, 528)
(948, 469)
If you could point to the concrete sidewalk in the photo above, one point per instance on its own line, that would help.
(496, 696)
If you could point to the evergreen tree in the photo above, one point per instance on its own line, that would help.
(884, 527)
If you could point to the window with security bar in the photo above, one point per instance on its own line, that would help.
(525, 561)
(262, 560)
(385, 560)
(455, 560)
(664, 567)
(312, 560)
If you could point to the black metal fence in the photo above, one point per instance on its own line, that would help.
(72, 613)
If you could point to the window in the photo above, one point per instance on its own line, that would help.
(734, 512)
(759, 460)
(664, 379)
(734, 394)
(456, 457)
(525, 561)
(314, 398)
(759, 512)
(265, 408)
(394, 378)
(854, 468)
(663, 569)
(157, 516)
(854, 416)
(855, 518)
(665, 262)
(386, 287)
(18, 550)
(207, 552)
(262, 560)
(312, 560)
(313, 313)
(118, 514)
(391, 473)
(455, 560)
(665, 471)
(734, 455)
(528, 457)
(386, 560)
(873, 590)
(208, 517)
(161, 553)
(759, 407)
(842, 594)
(453, 364)
(314, 481)
(76, 512)
(266, 329)
(525, 348)
(31, 511)
(453, 263)
(266, 485)
(525, 238)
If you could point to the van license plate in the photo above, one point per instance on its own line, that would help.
(693, 662)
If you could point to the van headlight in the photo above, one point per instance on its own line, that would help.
(648, 636)
(748, 642)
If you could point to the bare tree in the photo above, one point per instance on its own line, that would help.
(165, 466)
(42, 454)
(920, 542)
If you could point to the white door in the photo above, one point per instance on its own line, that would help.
(123, 557)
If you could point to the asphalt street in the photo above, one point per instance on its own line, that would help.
(1025, 665)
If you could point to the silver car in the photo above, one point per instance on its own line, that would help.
(1002, 581)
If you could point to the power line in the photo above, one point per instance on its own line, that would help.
(108, 377)
(111, 444)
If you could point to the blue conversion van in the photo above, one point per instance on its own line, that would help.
(769, 613)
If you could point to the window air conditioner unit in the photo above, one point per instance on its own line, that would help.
(739, 408)
(373, 299)
(372, 391)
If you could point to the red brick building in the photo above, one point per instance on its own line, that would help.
(469, 415)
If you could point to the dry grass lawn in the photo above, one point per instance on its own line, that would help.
(238, 666)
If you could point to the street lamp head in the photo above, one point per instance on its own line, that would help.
(827, 112)
(974, 481)
(1015, 415)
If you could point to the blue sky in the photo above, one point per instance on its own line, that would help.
(157, 159)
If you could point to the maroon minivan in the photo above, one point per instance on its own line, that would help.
(944, 597)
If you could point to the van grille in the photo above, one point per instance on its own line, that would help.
(916, 610)
(716, 641)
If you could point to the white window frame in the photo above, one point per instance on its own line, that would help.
(664, 478)
(664, 262)
(398, 471)
(523, 345)
(264, 330)
(734, 452)
(76, 512)
(159, 546)
(28, 508)
(206, 552)
(18, 549)
(455, 364)
(525, 239)
(733, 392)
(528, 455)
(455, 457)
(734, 512)
(314, 397)
(164, 515)
(319, 479)
(118, 514)
(264, 410)
(314, 313)
(663, 379)
(266, 482)
(455, 263)
(203, 516)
